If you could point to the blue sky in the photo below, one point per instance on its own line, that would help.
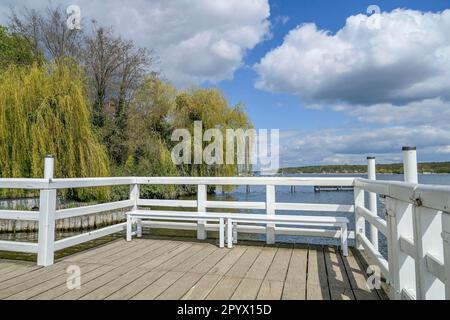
(339, 83)
(285, 111)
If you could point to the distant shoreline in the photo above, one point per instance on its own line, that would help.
(393, 168)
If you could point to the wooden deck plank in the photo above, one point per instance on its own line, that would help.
(137, 258)
(210, 261)
(182, 269)
(358, 279)
(224, 289)
(196, 259)
(338, 281)
(34, 279)
(203, 287)
(247, 290)
(240, 268)
(4, 266)
(17, 270)
(181, 257)
(121, 253)
(166, 256)
(84, 255)
(159, 286)
(228, 261)
(295, 284)
(279, 266)
(364, 261)
(262, 263)
(152, 253)
(270, 290)
(316, 282)
(133, 288)
(114, 286)
(180, 287)
(61, 279)
(86, 277)
(92, 285)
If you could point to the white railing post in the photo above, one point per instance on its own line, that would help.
(428, 241)
(400, 222)
(270, 210)
(372, 175)
(134, 196)
(411, 176)
(201, 207)
(360, 223)
(401, 265)
(446, 242)
(410, 164)
(47, 208)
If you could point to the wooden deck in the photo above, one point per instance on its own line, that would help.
(186, 269)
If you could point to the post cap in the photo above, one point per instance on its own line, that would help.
(408, 148)
(49, 156)
(371, 158)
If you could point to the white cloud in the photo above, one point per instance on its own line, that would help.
(389, 73)
(352, 146)
(196, 40)
(396, 58)
(434, 112)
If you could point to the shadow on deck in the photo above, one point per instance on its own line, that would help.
(163, 268)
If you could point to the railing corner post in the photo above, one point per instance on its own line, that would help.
(47, 211)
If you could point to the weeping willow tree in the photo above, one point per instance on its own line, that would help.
(209, 106)
(44, 110)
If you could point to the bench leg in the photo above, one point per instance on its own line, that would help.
(235, 239)
(221, 233)
(139, 228)
(230, 233)
(129, 225)
(344, 238)
(270, 233)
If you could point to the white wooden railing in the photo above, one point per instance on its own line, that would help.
(417, 230)
(416, 223)
(48, 213)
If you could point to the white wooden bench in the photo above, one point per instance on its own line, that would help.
(178, 216)
(309, 221)
(236, 218)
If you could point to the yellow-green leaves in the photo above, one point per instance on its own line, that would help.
(44, 110)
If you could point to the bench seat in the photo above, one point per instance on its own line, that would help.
(233, 218)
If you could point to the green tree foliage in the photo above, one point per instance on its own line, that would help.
(15, 49)
(149, 128)
(96, 105)
(209, 106)
(156, 110)
(44, 110)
